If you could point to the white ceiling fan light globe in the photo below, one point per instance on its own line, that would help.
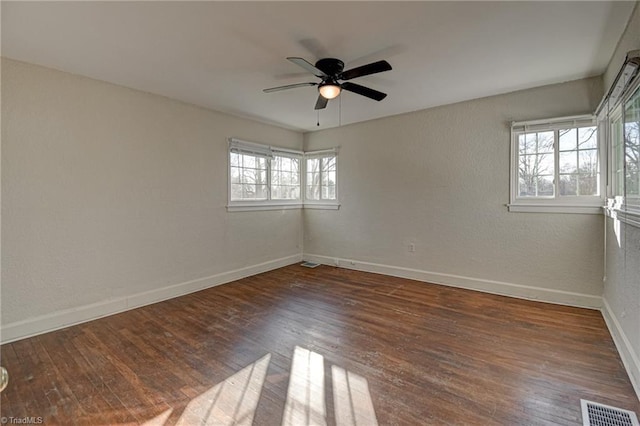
(329, 91)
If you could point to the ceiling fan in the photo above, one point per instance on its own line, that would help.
(330, 71)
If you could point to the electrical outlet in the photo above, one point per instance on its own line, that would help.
(412, 248)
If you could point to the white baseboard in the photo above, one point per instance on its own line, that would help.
(57, 320)
(630, 358)
(487, 286)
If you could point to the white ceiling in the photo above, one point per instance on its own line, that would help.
(221, 55)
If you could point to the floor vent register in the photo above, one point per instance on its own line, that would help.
(594, 414)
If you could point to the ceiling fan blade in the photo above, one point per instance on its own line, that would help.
(288, 86)
(321, 103)
(372, 68)
(364, 91)
(308, 66)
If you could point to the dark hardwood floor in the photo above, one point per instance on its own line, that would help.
(328, 346)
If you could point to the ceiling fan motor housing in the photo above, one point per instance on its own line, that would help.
(330, 66)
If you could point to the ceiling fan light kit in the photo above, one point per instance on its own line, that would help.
(330, 71)
(329, 90)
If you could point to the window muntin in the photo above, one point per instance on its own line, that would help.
(321, 178)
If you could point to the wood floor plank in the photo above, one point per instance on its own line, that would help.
(426, 354)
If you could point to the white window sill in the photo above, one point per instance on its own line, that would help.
(322, 206)
(555, 208)
(628, 215)
(246, 207)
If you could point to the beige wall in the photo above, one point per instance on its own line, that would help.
(622, 287)
(110, 192)
(439, 179)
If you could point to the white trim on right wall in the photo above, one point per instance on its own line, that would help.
(630, 358)
(487, 286)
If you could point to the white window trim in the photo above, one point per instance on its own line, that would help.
(254, 148)
(617, 207)
(554, 204)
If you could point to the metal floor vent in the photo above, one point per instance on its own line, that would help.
(594, 414)
(309, 264)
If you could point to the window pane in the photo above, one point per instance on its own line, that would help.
(312, 193)
(313, 165)
(568, 185)
(236, 191)
(536, 160)
(235, 175)
(526, 188)
(544, 164)
(248, 177)
(545, 142)
(331, 193)
(545, 186)
(248, 161)
(568, 162)
(285, 178)
(632, 146)
(285, 164)
(568, 139)
(618, 156)
(234, 159)
(329, 163)
(276, 192)
(588, 161)
(527, 143)
(588, 184)
(587, 137)
(331, 178)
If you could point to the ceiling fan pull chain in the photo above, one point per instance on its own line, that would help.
(318, 119)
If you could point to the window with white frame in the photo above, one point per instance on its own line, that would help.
(620, 108)
(321, 176)
(632, 149)
(555, 166)
(285, 176)
(265, 177)
(248, 176)
(616, 163)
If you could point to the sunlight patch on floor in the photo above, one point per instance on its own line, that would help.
(232, 402)
(305, 396)
(351, 399)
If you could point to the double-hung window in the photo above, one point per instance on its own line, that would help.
(263, 177)
(555, 166)
(321, 177)
(285, 175)
(631, 131)
(623, 142)
(620, 108)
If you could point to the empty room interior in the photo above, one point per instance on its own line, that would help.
(320, 213)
